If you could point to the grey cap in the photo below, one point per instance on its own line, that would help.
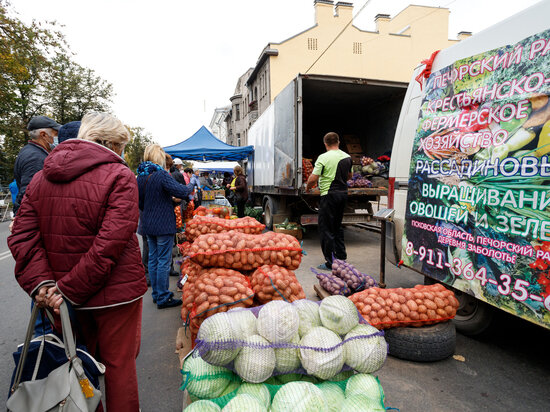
(42, 122)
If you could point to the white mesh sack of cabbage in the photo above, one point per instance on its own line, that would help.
(302, 337)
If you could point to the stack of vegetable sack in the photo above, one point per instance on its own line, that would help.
(389, 308)
(291, 350)
(221, 252)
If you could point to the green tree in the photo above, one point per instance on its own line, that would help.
(72, 90)
(133, 153)
(24, 51)
(38, 77)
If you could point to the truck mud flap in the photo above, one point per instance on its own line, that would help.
(392, 253)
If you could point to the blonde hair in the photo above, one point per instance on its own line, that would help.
(105, 129)
(154, 153)
(238, 170)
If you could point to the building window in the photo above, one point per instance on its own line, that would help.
(357, 48)
(311, 43)
(237, 112)
(238, 139)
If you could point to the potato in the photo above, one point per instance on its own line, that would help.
(276, 283)
(386, 308)
(237, 250)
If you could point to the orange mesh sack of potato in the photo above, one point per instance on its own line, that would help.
(271, 282)
(188, 299)
(190, 271)
(218, 290)
(201, 225)
(418, 306)
(240, 251)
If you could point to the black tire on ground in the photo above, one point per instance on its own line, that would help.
(423, 344)
(473, 316)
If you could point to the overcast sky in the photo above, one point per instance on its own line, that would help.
(172, 62)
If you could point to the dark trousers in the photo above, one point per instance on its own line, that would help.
(145, 256)
(240, 207)
(331, 232)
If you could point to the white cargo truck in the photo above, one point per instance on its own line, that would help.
(470, 172)
(292, 128)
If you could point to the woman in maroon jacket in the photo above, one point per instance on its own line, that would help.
(74, 238)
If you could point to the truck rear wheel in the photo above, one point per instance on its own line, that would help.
(269, 211)
(473, 316)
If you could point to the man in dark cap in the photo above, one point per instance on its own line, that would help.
(43, 138)
(30, 160)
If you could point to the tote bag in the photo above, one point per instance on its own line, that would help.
(53, 375)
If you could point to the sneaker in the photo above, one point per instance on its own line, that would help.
(324, 266)
(170, 303)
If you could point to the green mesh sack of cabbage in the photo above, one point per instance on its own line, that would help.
(360, 392)
(204, 381)
(293, 392)
(302, 337)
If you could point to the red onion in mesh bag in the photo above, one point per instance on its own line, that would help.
(332, 284)
(354, 279)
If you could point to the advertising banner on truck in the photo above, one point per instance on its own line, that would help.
(478, 205)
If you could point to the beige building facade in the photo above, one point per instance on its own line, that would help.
(335, 46)
(239, 118)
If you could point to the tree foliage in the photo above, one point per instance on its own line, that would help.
(39, 77)
(72, 90)
(133, 153)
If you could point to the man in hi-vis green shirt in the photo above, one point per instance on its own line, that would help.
(332, 171)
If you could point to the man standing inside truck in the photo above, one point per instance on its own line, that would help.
(332, 171)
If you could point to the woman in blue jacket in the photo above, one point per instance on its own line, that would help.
(158, 221)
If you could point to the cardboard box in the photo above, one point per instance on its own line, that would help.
(208, 195)
(354, 148)
(351, 139)
(183, 344)
(297, 233)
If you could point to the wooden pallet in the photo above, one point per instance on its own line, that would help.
(320, 291)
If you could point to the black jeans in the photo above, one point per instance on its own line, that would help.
(331, 232)
(240, 207)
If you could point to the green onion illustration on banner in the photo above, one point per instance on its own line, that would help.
(478, 205)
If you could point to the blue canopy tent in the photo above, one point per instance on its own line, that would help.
(204, 146)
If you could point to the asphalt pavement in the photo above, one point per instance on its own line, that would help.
(507, 369)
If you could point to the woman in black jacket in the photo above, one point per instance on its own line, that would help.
(241, 190)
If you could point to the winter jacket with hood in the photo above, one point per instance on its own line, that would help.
(29, 161)
(76, 228)
(156, 188)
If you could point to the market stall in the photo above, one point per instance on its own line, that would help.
(204, 146)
